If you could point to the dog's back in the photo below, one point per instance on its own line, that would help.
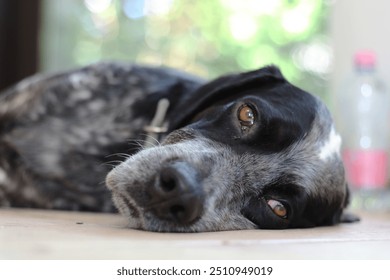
(61, 134)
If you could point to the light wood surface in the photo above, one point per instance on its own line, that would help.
(40, 234)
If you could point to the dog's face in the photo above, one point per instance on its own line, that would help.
(245, 151)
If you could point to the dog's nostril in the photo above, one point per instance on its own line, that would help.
(167, 181)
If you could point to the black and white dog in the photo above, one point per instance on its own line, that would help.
(244, 151)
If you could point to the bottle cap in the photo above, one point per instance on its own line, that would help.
(365, 59)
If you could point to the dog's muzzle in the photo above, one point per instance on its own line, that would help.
(177, 194)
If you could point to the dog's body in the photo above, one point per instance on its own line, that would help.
(244, 151)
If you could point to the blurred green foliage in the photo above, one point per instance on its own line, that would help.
(204, 37)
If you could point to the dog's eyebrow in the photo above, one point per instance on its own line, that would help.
(223, 88)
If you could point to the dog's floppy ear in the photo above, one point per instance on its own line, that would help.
(219, 89)
(347, 217)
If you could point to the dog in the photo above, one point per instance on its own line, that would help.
(172, 152)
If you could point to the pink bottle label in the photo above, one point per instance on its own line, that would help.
(366, 168)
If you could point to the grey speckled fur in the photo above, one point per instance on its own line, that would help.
(61, 134)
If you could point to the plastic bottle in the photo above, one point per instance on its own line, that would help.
(363, 114)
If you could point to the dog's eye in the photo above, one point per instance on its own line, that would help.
(246, 115)
(278, 208)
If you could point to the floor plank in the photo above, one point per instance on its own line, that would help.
(42, 234)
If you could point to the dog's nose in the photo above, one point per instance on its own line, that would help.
(177, 193)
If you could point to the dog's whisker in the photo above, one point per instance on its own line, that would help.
(102, 183)
(150, 141)
(112, 163)
(120, 155)
(143, 144)
(139, 144)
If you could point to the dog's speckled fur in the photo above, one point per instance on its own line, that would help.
(61, 135)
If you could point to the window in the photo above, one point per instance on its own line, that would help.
(204, 37)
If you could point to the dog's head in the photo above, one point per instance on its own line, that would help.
(245, 151)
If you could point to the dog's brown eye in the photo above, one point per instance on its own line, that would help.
(278, 208)
(246, 115)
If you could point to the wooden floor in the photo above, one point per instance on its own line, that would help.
(32, 234)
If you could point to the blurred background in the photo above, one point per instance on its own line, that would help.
(204, 37)
(312, 41)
